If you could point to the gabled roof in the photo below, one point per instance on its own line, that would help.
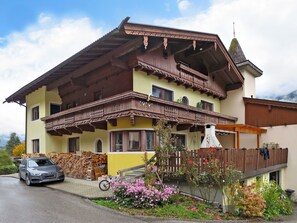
(123, 39)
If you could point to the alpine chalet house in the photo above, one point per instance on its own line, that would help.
(108, 97)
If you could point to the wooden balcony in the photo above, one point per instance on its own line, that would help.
(94, 115)
(248, 161)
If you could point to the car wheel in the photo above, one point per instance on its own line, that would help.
(28, 181)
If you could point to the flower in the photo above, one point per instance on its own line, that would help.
(190, 162)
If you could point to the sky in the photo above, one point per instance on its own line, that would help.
(37, 35)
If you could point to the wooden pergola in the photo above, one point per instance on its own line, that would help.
(241, 128)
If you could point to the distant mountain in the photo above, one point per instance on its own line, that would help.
(291, 97)
(5, 137)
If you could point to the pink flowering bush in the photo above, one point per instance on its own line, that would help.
(135, 194)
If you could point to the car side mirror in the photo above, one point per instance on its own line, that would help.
(21, 166)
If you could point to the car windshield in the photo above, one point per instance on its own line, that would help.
(40, 162)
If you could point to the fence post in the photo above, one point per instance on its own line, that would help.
(244, 159)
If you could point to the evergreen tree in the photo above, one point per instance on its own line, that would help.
(13, 141)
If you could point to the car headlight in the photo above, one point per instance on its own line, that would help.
(61, 171)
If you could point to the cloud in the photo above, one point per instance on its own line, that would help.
(266, 31)
(183, 5)
(28, 54)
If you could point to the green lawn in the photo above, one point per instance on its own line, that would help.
(180, 207)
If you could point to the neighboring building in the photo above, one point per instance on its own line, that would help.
(280, 120)
(108, 97)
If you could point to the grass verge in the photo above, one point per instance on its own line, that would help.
(180, 207)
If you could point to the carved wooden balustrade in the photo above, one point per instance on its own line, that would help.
(93, 115)
(249, 161)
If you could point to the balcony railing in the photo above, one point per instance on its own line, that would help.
(93, 115)
(249, 161)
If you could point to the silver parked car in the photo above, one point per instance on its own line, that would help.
(40, 170)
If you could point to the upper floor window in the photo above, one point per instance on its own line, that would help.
(162, 93)
(54, 108)
(207, 105)
(35, 113)
(73, 145)
(35, 145)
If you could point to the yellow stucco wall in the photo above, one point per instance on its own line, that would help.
(143, 83)
(35, 129)
(124, 123)
(87, 141)
(119, 161)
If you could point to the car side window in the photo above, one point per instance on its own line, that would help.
(24, 162)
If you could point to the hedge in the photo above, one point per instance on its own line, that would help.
(8, 169)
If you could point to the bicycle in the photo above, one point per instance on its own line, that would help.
(104, 184)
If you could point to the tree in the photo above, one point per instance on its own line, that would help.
(19, 149)
(165, 146)
(13, 141)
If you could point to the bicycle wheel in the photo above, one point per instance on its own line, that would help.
(104, 185)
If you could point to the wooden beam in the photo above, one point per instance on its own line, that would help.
(74, 129)
(63, 131)
(100, 125)
(87, 127)
(117, 53)
(192, 52)
(217, 67)
(113, 122)
(231, 87)
(181, 127)
(54, 133)
(237, 140)
(119, 63)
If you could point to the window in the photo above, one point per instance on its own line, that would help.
(185, 100)
(73, 144)
(125, 141)
(54, 108)
(35, 113)
(179, 141)
(150, 140)
(98, 146)
(35, 145)
(134, 140)
(207, 106)
(162, 93)
(118, 138)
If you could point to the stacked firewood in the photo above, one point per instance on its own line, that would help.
(82, 166)
(32, 155)
(86, 165)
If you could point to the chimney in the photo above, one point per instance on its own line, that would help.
(210, 139)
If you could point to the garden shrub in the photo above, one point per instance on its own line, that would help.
(276, 200)
(5, 159)
(136, 195)
(248, 201)
(8, 169)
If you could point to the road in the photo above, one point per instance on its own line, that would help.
(20, 203)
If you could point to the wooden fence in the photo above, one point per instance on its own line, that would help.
(249, 161)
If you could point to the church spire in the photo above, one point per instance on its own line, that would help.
(235, 50)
